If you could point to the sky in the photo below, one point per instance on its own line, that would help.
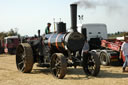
(30, 15)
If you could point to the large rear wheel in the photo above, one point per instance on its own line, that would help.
(58, 65)
(91, 64)
(24, 58)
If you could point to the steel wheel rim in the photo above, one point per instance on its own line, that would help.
(91, 65)
(56, 66)
(103, 58)
(20, 59)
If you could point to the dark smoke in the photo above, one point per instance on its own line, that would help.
(111, 5)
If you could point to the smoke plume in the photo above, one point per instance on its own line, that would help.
(111, 5)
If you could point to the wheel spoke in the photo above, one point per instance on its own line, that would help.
(54, 68)
(22, 62)
(23, 57)
(92, 65)
(23, 68)
(57, 61)
(57, 72)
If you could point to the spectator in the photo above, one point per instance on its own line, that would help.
(47, 30)
(124, 50)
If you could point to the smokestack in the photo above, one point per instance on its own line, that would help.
(74, 17)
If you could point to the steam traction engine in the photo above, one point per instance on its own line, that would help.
(58, 51)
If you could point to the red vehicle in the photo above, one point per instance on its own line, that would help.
(110, 52)
(10, 44)
(1, 46)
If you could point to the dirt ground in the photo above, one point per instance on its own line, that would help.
(9, 75)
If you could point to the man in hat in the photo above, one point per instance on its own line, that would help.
(47, 30)
(124, 50)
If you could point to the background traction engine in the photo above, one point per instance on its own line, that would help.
(58, 51)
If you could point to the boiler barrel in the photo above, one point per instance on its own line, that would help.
(72, 41)
(55, 41)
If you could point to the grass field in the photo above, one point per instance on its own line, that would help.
(9, 75)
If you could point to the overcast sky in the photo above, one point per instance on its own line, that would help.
(30, 15)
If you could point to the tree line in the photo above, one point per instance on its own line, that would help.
(116, 34)
(11, 32)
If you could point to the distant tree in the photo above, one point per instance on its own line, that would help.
(12, 32)
(2, 35)
(118, 32)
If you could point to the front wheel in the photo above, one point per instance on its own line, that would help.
(58, 65)
(91, 64)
